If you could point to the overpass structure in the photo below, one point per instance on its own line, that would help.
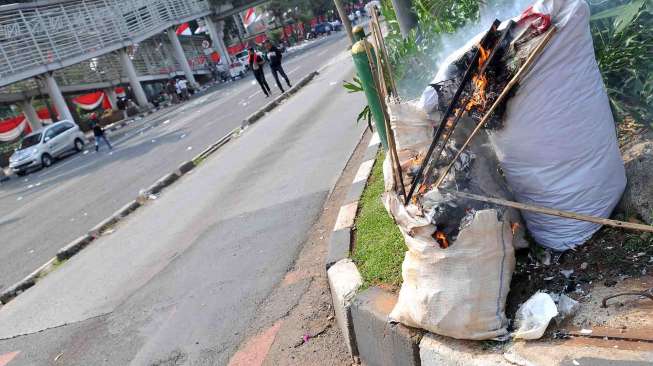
(59, 46)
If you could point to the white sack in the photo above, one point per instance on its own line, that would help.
(558, 147)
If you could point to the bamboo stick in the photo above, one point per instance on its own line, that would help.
(522, 70)
(553, 212)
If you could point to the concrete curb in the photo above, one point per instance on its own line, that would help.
(340, 240)
(344, 278)
(74, 247)
(344, 281)
(380, 342)
(26, 282)
(80, 243)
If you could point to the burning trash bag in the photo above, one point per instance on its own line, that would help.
(556, 141)
(460, 258)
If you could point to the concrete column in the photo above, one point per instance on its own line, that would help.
(180, 56)
(406, 16)
(32, 117)
(57, 98)
(344, 17)
(137, 88)
(113, 98)
(216, 31)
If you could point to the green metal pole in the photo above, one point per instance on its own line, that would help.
(365, 75)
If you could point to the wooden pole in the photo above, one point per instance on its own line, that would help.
(522, 70)
(553, 212)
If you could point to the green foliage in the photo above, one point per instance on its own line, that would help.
(355, 86)
(623, 43)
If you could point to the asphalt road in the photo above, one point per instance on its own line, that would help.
(182, 281)
(43, 211)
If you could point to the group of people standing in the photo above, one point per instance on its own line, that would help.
(257, 63)
(178, 90)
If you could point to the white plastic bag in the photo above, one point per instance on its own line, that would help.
(534, 315)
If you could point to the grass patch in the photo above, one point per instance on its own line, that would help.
(379, 249)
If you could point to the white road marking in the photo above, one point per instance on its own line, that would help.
(293, 70)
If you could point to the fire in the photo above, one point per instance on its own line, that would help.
(441, 238)
(514, 227)
(479, 81)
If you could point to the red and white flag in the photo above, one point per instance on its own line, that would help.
(250, 17)
(184, 29)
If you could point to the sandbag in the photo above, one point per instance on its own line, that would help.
(559, 147)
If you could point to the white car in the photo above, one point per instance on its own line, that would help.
(243, 57)
(40, 148)
(237, 69)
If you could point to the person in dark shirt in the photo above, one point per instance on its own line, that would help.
(274, 55)
(98, 132)
(256, 63)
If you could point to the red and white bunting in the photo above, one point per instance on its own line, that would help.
(13, 128)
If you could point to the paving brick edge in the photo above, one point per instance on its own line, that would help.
(76, 246)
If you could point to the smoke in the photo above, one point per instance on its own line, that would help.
(496, 9)
(412, 85)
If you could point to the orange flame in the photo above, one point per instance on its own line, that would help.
(441, 238)
(479, 81)
(514, 227)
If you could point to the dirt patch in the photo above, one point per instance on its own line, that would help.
(309, 334)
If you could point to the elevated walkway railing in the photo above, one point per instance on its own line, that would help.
(49, 35)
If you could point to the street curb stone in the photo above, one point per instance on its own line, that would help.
(339, 246)
(102, 226)
(185, 168)
(78, 244)
(162, 183)
(344, 281)
(126, 210)
(27, 282)
(379, 342)
(74, 247)
(355, 192)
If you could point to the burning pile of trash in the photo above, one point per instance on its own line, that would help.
(517, 114)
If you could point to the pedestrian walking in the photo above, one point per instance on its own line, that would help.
(98, 132)
(256, 63)
(171, 89)
(275, 56)
(183, 84)
(178, 89)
